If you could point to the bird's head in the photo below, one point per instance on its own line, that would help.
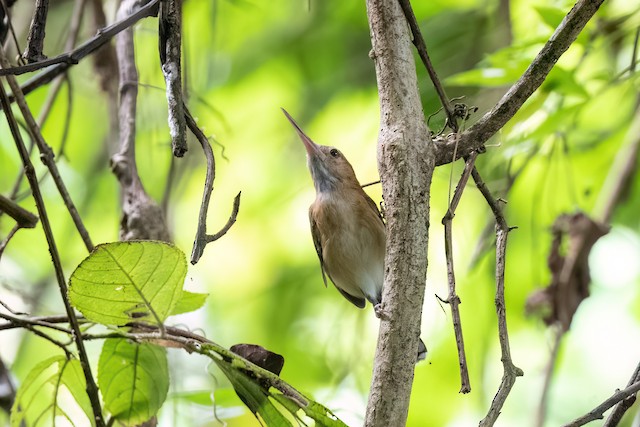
(329, 168)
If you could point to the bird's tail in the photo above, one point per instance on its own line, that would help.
(422, 350)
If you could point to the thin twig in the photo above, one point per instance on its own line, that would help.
(92, 388)
(7, 239)
(623, 406)
(478, 134)
(202, 238)
(6, 4)
(54, 90)
(597, 413)
(46, 155)
(66, 60)
(22, 217)
(510, 371)
(452, 299)
(52, 340)
(18, 322)
(142, 218)
(192, 342)
(170, 35)
(421, 47)
(35, 40)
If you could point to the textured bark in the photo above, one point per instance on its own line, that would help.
(406, 166)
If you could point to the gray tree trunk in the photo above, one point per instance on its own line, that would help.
(406, 163)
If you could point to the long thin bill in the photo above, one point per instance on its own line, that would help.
(311, 147)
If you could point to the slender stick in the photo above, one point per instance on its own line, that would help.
(46, 154)
(563, 37)
(92, 388)
(623, 406)
(452, 299)
(510, 371)
(597, 413)
(202, 238)
(22, 217)
(16, 321)
(170, 35)
(35, 40)
(65, 61)
(421, 47)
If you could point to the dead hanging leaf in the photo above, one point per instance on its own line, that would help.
(573, 237)
(258, 355)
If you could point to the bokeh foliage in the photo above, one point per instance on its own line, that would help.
(243, 61)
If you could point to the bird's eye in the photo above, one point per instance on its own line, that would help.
(334, 152)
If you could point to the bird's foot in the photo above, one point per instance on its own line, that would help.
(380, 312)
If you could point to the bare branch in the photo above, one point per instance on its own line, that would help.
(63, 62)
(406, 167)
(623, 406)
(23, 217)
(510, 371)
(202, 238)
(35, 40)
(453, 300)
(170, 29)
(46, 155)
(92, 388)
(421, 47)
(506, 108)
(597, 413)
(142, 218)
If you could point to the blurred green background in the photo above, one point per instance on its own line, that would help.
(243, 60)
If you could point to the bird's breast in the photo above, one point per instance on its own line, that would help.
(353, 243)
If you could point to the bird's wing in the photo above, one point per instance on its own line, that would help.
(373, 205)
(315, 233)
(358, 302)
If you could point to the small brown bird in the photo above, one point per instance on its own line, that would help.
(347, 228)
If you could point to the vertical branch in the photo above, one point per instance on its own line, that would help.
(35, 40)
(452, 299)
(406, 166)
(510, 371)
(170, 39)
(421, 47)
(46, 154)
(142, 218)
(92, 388)
(202, 238)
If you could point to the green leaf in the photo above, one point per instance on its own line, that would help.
(254, 396)
(133, 378)
(129, 281)
(53, 393)
(317, 412)
(552, 16)
(189, 301)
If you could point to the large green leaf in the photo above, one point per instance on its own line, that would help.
(133, 378)
(129, 281)
(53, 393)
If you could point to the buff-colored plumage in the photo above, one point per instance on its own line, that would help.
(347, 228)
